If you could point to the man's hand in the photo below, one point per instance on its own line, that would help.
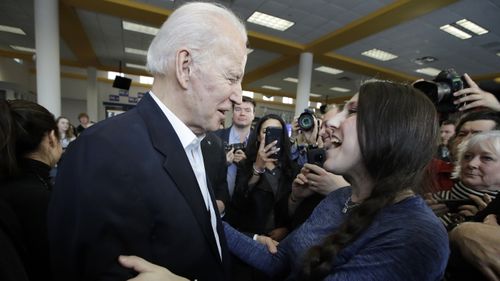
(475, 97)
(269, 243)
(239, 155)
(148, 271)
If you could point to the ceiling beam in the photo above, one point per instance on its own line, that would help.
(380, 20)
(270, 68)
(73, 33)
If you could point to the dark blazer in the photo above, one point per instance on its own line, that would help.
(223, 134)
(125, 186)
(214, 158)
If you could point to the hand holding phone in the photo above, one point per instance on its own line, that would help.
(454, 204)
(274, 134)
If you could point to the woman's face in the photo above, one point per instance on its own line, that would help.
(343, 152)
(480, 168)
(63, 124)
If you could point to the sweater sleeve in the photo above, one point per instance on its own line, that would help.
(256, 254)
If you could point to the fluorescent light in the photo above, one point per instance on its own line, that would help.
(112, 75)
(23, 49)
(291, 79)
(498, 54)
(19, 61)
(133, 65)
(270, 21)
(318, 105)
(146, 80)
(431, 71)
(314, 95)
(329, 70)
(249, 51)
(267, 99)
(11, 29)
(139, 28)
(339, 89)
(248, 94)
(287, 100)
(379, 55)
(136, 51)
(455, 31)
(271, 88)
(472, 26)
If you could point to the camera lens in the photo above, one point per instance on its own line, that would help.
(306, 121)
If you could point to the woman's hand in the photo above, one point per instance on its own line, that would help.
(148, 271)
(471, 210)
(264, 154)
(271, 244)
(322, 181)
(475, 97)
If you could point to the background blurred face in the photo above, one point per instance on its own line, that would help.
(216, 85)
(63, 124)
(468, 129)
(480, 168)
(243, 114)
(343, 152)
(446, 132)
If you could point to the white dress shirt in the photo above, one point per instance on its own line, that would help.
(191, 144)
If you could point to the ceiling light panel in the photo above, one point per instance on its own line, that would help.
(138, 66)
(339, 89)
(472, 27)
(139, 28)
(11, 29)
(291, 79)
(455, 31)
(136, 51)
(431, 71)
(379, 55)
(23, 49)
(314, 95)
(329, 70)
(270, 21)
(271, 88)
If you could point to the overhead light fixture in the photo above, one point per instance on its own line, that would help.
(314, 95)
(146, 80)
(472, 27)
(138, 66)
(431, 71)
(266, 98)
(318, 105)
(11, 29)
(498, 54)
(249, 51)
(136, 51)
(139, 28)
(379, 55)
(291, 79)
(248, 94)
(19, 61)
(23, 49)
(271, 88)
(112, 75)
(270, 21)
(455, 31)
(329, 70)
(339, 89)
(287, 100)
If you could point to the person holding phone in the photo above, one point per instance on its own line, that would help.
(264, 180)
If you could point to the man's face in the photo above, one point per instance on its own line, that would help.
(84, 120)
(243, 114)
(470, 128)
(216, 85)
(446, 132)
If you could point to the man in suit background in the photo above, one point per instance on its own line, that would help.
(136, 183)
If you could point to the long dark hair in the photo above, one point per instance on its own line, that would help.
(397, 131)
(253, 146)
(23, 125)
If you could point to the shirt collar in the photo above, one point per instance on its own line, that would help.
(186, 136)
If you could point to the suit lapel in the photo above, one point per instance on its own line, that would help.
(176, 164)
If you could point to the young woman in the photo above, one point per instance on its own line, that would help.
(376, 229)
(65, 130)
(29, 147)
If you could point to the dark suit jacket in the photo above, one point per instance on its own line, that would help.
(214, 158)
(126, 187)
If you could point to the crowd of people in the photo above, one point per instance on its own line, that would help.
(162, 193)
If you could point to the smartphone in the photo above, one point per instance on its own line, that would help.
(272, 134)
(453, 204)
(316, 156)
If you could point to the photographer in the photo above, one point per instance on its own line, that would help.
(473, 97)
(305, 135)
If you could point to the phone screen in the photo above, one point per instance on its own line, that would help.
(272, 134)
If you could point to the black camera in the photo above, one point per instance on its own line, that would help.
(236, 146)
(316, 156)
(306, 120)
(440, 90)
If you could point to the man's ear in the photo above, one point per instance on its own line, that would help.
(183, 64)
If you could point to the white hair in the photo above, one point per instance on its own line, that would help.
(489, 141)
(194, 26)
